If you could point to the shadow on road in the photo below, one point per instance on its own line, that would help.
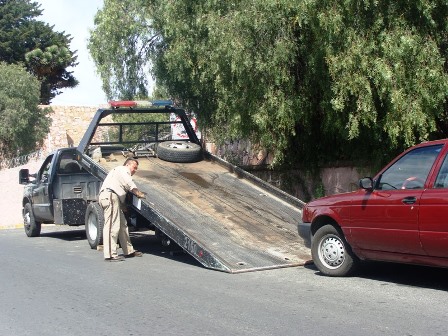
(407, 275)
(68, 235)
(143, 241)
(401, 274)
(150, 244)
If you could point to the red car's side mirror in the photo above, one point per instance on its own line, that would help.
(366, 183)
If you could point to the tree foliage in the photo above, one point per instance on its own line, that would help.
(309, 80)
(44, 52)
(24, 124)
(119, 46)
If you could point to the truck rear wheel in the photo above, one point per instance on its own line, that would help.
(94, 224)
(32, 228)
(179, 151)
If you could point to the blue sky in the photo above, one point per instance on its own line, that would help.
(76, 18)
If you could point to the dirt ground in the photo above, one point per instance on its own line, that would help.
(11, 200)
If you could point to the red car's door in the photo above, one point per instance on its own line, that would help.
(387, 221)
(387, 218)
(433, 217)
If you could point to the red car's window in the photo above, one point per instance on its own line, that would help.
(411, 170)
(442, 177)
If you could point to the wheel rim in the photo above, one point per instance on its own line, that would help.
(92, 227)
(332, 252)
(27, 220)
(182, 145)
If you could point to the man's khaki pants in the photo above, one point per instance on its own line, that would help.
(115, 226)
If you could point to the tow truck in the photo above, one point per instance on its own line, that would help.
(226, 218)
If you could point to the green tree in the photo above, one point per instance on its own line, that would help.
(312, 81)
(119, 45)
(386, 69)
(24, 124)
(44, 52)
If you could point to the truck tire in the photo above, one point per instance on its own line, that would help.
(32, 228)
(94, 224)
(179, 151)
(331, 253)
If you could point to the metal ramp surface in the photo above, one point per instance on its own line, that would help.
(223, 220)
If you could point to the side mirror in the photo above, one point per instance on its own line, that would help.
(24, 176)
(366, 183)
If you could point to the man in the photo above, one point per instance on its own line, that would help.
(112, 199)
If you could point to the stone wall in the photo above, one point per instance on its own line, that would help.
(68, 126)
(241, 153)
(301, 184)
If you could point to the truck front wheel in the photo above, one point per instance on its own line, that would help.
(331, 253)
(94, 224)
(32, 228)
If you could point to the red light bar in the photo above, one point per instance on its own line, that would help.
(123, 103)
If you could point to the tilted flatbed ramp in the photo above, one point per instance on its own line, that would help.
(224, 217)
(223, 220)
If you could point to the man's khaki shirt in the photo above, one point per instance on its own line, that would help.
(119, 180)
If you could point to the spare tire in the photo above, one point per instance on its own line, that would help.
(179, 151)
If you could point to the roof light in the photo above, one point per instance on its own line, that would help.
(162, 102)
(140, 103)
(123, 103)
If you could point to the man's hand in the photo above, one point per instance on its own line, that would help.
(140, 194)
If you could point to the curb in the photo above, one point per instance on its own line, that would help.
(20, 226)
(11, 227)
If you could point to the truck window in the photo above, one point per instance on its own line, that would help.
(45, 169)
(68, 164)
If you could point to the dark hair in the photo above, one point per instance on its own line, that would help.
(130, 159)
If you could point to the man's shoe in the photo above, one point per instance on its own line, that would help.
(116, 258)
(134, 254)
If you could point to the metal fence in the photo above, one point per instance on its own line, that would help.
(21, 160)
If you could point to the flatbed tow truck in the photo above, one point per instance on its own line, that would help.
(226, 218)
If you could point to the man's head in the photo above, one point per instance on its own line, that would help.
(132, 164)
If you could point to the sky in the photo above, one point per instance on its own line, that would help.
(76, 18)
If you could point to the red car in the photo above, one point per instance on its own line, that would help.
(400, 215)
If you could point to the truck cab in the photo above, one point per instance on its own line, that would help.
(58, 192)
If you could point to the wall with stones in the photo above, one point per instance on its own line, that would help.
(68, 126)
(241, 153)
(301, 184)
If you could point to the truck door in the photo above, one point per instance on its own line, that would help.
(41, 196)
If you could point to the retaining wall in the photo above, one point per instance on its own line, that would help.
(68, 125)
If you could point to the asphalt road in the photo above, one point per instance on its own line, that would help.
(56, 285)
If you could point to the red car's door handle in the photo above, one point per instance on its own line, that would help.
(409, 200)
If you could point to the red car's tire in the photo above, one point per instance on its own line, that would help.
(331, 253)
